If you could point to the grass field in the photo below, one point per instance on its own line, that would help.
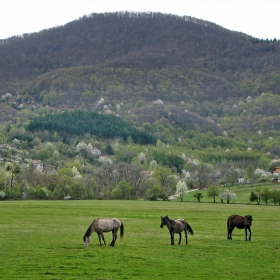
(43, 240)
(243, 193)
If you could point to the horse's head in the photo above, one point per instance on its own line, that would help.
(163, 221)
(249, 218)
(86, 240)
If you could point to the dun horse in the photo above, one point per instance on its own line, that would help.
(241, 223)
(176, 226)
(104, 225)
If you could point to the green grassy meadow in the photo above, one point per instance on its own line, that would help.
(43, 240)
(243, 193)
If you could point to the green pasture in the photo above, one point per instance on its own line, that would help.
(243, 193)
(43, 240)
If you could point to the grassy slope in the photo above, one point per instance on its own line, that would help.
(43, 240)
(243, 193)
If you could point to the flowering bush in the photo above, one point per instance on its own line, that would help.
(228, 196)
(2, 194)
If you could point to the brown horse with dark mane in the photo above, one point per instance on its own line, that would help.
(104, 225)
(176, 226)
(241, 222)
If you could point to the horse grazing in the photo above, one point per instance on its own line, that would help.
(104, 225)
(176, 226)
(239, 222)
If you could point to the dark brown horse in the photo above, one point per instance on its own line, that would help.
(176, 226)
(104, 225)
(241, 222)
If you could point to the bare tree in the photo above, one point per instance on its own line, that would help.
(110, 176)
(205, 176)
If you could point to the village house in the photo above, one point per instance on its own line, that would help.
(276, 171)
(39, 166)
(145, 173)
(96, 152)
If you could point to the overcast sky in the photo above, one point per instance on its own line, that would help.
(258, 18)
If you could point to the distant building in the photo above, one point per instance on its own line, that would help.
(276, 170)
(145, 173)
(241, 180)
(39, 166)
(96, 152)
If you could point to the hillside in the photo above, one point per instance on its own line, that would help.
(127, 105)
(127, 58)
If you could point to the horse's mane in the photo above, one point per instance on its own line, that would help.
(88, 230)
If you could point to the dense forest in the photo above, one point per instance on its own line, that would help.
(163, 98)
(79, 123)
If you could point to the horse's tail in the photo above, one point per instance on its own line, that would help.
(229, 221)
(121, 231)
(189, 229)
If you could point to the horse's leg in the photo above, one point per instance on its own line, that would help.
(249, 228)
(114, 233)
(103, 238)
(186, 235)
(112, 242)
(172, 237)
(99, 237)
(245, 233)
(230, 229)
(180, 237)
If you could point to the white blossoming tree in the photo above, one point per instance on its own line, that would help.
(227, 195)
(153, 164)
(184, 157)
(75, 171)
(181, 189)
(89, 149)
(141, 158)
(2, 194)
(81, 146)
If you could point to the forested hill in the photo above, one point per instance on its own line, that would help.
(139, 58)
(146, 40)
